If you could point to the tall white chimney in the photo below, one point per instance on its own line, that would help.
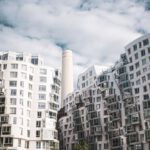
(67, 75)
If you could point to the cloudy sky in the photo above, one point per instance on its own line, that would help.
(95, 30)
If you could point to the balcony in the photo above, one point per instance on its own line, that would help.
(4, 119)
(133, 138)
(6, 130)
(133, 119)
(2, 110)
(147, 134)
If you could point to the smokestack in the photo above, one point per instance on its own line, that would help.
(67, 75)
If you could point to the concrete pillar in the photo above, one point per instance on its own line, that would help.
(67, 75)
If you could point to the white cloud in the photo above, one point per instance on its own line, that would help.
(96, 30)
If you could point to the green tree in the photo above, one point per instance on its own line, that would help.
(82, 145)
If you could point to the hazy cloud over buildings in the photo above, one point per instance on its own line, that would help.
(96, 30)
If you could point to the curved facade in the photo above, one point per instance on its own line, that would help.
(116, 104)
(29, 100)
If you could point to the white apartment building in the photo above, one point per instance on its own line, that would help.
(111, 109)
(29, 100)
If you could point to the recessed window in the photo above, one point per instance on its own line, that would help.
(13, 83)
(143, 53)
(135, 47)
(14, 66)
(13, 74)
(136, 56)
(13, 92)
(145, 42)
(37, 133)
(144, 61)
(43, 79)
(43, 71)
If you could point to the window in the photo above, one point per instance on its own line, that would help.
(14, 66)
(42, 96)
(24, 75)
(143, 79)
(130, 59)
(13, 101)
(38, 145)
(41, 105)
(14, 120)
(13, 74)
(30, 86)
(136, 56)
(135, 47)
(144, 61)
(24, 67)
(37, 133)
(148, 76)
(137, 65)
(39, 114)
(129, 51)
(13, 92)
(136, 90)
(131, 68)
(22, 83)
(145, 88)
(21, 93)
(83, 78)
(12, 110)
(30, 78)
(21, 102)
(43, 79)
(138, 73)
(38, 123)
(149, 50)
(43, 71)
(5, 66)
(13, 83)
(143, 53)
(131, 76)
(140, 44)
(146, 97)
(42, 88)
(145, 42)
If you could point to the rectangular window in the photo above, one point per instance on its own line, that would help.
(43, 79)
(14, 66)
(144, 61)
(39, 114)
(136, 56)
(129, 51)
(13, 101)
(145, 42)
(13, 74)
(22, 83)
(43, 71)
(13, 92)
(38, 145)
(135, 47)
(12, 110)
(41, 105)
(24, 75)
(24, 67)
(38, 124)
(137, 65)
(30, 78)
(143, 53)
(42, 96)
(42, 88)
(13, 83)
(37, 133)
(5, 66)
